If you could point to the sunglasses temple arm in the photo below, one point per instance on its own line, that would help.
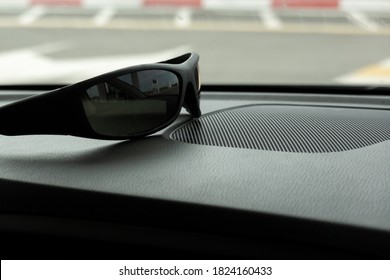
(46, 113)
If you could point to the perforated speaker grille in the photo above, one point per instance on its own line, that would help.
(301, 129)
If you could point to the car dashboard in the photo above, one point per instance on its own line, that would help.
(265, 173)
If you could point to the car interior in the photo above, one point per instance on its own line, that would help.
(263, 173)
(268, 171)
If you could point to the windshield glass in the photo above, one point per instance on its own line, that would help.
(239, 41)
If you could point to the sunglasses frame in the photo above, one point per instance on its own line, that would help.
(61, 112)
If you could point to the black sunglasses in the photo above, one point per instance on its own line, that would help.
(123, 104)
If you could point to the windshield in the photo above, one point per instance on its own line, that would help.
(314, 42)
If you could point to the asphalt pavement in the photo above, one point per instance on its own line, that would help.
(235, 47)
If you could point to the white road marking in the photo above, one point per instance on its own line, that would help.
(33, 66)
(355, 80)
(182, 17)
(378, 74)
(207, 26)
(269, 19)
(362, 21)
(31, 15)
(104, 16)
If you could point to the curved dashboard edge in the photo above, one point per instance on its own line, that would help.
(249, 234)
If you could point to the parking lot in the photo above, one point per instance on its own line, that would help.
(269, 46)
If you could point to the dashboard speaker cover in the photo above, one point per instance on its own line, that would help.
(288, 128)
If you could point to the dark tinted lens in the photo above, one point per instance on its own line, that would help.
(133, 103)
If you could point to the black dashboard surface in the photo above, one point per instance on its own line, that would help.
(63, 196)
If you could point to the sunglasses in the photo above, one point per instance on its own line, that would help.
(127, 103)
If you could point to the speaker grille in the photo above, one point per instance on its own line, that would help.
(300, 129)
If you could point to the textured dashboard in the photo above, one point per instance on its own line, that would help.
(342, 191)
(287, 128)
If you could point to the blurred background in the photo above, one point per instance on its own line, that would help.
(239, 41)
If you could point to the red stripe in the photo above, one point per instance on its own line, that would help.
(305, 3)
(56, 2)
(192, 3)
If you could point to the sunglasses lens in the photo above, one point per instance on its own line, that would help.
(133, 103)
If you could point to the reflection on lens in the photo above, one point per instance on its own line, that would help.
(132, 103)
